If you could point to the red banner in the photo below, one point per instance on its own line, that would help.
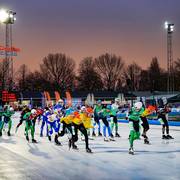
(8, 97)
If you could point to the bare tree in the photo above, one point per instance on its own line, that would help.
(21, 75)
(133, 76)
(36, 82)
(155, 73)
(177, 74)
(59, 70)
(144, 84)
(88, 78)
(109, 67)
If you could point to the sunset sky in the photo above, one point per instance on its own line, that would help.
(132, 29)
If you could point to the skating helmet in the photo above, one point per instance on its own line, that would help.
(11, 109)
(138, 105)
(99, 102)
(60, 101)
(33, 111)
(83, 108)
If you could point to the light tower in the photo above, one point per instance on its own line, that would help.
(7, 17)
(170, 79)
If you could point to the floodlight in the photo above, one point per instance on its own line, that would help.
(166, 25)
(3, 15)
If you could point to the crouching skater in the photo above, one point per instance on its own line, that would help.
(30, 118)
(78, 124)
(145, 124)
(52, 124)
(66, 126)
(8, 112)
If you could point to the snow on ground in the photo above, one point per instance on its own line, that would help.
(110, 160)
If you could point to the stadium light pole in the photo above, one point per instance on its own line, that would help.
(170, 79)
(8, 18)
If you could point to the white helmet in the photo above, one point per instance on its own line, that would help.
(138, 105)
(33, 111)
(60, 101)
(83, 108)
(11, 109)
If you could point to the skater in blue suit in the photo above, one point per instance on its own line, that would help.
(45, 115)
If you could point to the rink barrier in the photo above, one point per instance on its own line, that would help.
(154, 122)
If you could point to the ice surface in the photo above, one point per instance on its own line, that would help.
(110, 160)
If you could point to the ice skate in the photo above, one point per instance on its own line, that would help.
(88, 150)
(146, 141)
(112, 135)
(93, 134)
(34, 141)
(131, 151)
(169, 137)
(117, 135)
(99, 134)
(106, 139)
(164, 137)
(111, 139)
(75, 147)
(8, 133)
(56, 141)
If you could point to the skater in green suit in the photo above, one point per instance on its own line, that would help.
(30, 118)
(8, 112)
(134, 124)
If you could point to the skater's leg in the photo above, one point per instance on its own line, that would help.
(104, 130)
(133, 136)
(116, 126)
(9, 127)
(32, 131)
(163, 129)
(97, 121)
(106, 125)
(84, 131)
(112, 125)
(27, 127)
(54, 126)
(166, 124)
(42, 127)
(134, 133)
(1, 127)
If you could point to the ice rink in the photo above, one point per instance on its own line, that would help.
(109, 161)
